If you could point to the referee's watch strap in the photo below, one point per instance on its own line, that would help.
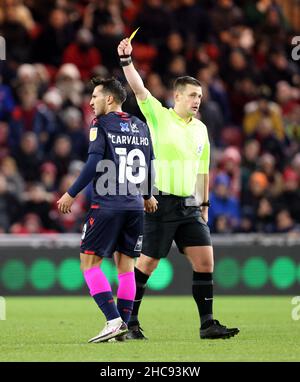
(125, 60)
(205, 204)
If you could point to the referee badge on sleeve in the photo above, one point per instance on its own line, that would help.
(200, 149)
(93, 133)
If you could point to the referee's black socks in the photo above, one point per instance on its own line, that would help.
(141, 281)
(203, 295)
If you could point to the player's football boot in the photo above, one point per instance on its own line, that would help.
(118, 339)
(112, 329)
(216, 330)
(135, 333)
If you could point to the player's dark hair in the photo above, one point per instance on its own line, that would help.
(111, 86)
(181, 82)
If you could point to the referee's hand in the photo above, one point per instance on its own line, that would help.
(204, 214)
(150, 205)
(125, 47)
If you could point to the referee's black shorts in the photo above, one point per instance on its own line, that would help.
(173, 220)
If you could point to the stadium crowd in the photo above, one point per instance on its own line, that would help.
(240, 51)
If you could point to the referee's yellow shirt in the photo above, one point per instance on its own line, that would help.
(181, 149)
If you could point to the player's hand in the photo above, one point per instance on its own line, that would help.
(150, 205)
(125, 47)
(64, 204)
(204, 214)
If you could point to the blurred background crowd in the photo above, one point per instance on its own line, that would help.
(240, 51)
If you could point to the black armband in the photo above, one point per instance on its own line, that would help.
(124, 56)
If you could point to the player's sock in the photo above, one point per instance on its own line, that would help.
(203, 295)
(100, 290)
(125, 294)
(141, 281)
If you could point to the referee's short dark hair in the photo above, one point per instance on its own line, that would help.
(111, 86)
(181, 82)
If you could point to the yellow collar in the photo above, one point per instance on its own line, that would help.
(178, 117)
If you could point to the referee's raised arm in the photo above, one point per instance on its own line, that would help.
(132, 76)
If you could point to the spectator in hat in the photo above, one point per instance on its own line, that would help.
(256, 190)
(229, 163)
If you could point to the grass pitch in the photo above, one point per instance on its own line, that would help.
(57, 329)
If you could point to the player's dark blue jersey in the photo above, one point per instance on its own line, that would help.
(125, 145)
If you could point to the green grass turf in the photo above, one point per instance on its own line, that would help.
(57, 329)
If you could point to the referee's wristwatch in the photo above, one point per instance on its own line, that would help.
(205, 204)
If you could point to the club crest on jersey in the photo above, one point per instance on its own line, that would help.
(124, 127)
(134, 128)
(138, 245)
(93, 133)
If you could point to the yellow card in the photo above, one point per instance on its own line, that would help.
(133, 34)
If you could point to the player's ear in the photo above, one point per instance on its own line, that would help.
(110, 99)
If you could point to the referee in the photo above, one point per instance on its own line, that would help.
(182, 152)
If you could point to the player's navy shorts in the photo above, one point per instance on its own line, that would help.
(173, 220)
(106, 231)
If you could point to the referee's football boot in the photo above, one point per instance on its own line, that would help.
(216, 330)
(135, 333)
(112, 329)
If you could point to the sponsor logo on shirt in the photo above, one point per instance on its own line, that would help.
(124, 127)
(134, 128)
